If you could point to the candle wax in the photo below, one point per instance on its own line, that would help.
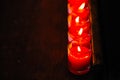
(75, 29)
(79, 60)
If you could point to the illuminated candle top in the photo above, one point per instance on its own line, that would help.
(78, 51)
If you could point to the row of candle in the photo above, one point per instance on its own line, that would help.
(79, 36)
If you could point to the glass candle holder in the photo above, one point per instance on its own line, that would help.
(79, 36)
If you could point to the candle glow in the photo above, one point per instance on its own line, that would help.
(79, 36)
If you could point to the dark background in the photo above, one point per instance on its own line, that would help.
(33, 40)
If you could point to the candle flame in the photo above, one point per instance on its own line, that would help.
(77, 19)
(80, 31)
(79, 49)
(82, 6)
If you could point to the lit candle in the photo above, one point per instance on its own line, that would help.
(82, 11)
(85, 25)
(80, 8)
(79, 35)
(78, 57)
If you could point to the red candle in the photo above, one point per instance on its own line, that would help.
(78, 58)
(79, 36)
(80, 9)
(85, 25)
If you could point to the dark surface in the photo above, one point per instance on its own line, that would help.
(33, 41)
